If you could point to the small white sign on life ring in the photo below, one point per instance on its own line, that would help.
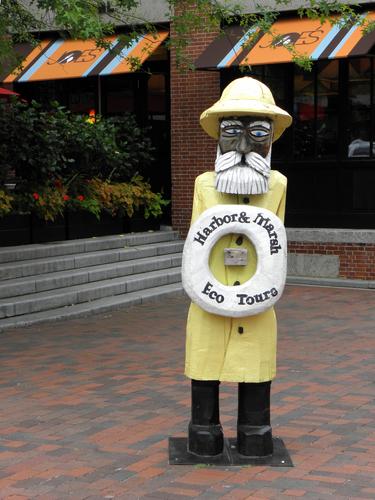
(266, 232)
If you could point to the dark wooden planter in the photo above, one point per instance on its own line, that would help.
(15, 230)
(24, 229)
(85, 225)
(138, 223)
(45, 231)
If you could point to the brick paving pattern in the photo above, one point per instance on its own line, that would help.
(87, 405)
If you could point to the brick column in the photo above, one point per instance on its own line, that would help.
(192, 150)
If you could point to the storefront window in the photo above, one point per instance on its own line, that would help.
(274, 76)
(316, 109)
(79, 95)
(325, 153)
(327, 109)
(119, 94)
(156, 97)
(82, 102)
(159, 131)
(359, 108)
(304, 114)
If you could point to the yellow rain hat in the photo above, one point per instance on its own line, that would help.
(245, 97)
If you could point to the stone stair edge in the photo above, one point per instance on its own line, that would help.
(95, 307)
(67, 247)
(87, 292)
(90, 274)
(40, 266)
(82, 287)
(89, 269)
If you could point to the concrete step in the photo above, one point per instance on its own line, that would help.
(42, 301)
(97, 306)
(47, 250)
(62, 279)
(51, 281)
(43, 265)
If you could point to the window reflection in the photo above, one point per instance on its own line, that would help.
(327, 109)
(359, 108)
(331, 108)
(304, 114)
(274, 78)
(316, 111)
(157, 97)
(119, 95)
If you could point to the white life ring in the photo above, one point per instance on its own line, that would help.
(266, 232)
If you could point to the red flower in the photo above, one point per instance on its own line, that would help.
(66, 197)
(35, 196)
(58, 183)
(80, 197)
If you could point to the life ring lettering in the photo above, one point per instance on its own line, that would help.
(267, 233)
(217, 222)
(212, 294)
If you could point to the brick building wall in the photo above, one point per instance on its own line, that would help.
(356, 260)
(192, 150)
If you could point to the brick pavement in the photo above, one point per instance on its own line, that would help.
(87, 405)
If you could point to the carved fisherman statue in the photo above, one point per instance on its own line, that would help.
(239, 348)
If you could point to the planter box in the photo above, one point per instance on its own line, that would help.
(45, 231)
(25, 229)
(15, 230)
(85, 225)
(138, 223)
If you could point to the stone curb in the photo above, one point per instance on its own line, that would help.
(330, 282)
(101, 243)
(328, 235)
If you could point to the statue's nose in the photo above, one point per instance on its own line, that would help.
(244, 144)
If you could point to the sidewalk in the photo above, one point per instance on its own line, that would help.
(87, 405)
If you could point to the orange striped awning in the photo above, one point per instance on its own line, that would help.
(57, 59)
(308, 37)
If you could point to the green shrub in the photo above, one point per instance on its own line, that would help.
(31, 142)
(60, 160)
(42, 145)
(110, 148)
(5, 203)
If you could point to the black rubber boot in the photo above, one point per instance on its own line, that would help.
(205, 431)
(254, 433)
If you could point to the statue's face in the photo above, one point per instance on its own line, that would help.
(245, 134)
(243, 160)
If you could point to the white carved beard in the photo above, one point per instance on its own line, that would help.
(235, 177)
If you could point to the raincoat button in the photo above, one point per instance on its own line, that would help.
(236, 283)
(246, 200)
(239, 240)
(240, 330)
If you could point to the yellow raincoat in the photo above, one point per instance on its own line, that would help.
(233, 349)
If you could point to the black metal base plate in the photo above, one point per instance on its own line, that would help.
(179, 455)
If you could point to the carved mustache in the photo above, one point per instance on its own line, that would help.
(233, 158)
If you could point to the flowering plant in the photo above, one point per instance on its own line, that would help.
(93, 196)
(64, 162)
(127, 197)
(47, 202)
(87, 202)
(5, 203)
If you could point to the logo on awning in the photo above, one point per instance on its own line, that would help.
(76, 56)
